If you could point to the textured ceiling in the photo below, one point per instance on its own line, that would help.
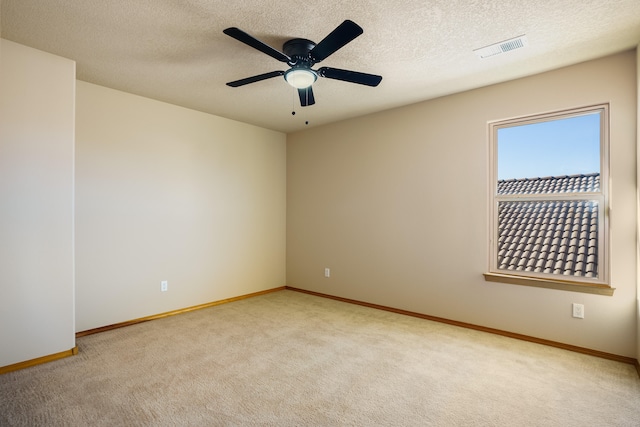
(175, 51)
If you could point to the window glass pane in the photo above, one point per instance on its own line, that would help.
(555, 237)
(550, 199)
(560, 147)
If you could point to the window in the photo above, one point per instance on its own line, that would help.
(549, 200)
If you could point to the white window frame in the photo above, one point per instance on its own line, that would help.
(598, 285)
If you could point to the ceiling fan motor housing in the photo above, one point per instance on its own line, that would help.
(300, 75)
(298, 50)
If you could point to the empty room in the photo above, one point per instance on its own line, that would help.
(362, 213)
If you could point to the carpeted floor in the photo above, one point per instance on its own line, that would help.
(292, 359)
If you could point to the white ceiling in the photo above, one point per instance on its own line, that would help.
(175, 51)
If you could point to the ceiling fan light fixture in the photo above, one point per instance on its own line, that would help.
(300, 78)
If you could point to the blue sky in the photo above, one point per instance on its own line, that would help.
(558, 147)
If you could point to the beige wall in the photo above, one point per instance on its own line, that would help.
(167, 193)
(395, 204)
(36, 203)
(638, 196)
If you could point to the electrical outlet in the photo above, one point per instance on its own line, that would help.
(164, 285)
(578, 310)
(327, 272)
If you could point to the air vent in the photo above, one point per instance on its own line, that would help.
(502, 47)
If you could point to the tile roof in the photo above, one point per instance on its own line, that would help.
(558, 237)
(551, 184)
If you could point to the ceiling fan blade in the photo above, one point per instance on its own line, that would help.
(339, 37)
(247, 39)
(306, 97)
(350, 76)
(254, 79)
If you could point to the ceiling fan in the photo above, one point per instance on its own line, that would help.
(301, 55)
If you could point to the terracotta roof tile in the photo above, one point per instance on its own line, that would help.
(552, 236)
(551, 184)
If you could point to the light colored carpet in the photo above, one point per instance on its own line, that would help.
(292, 359)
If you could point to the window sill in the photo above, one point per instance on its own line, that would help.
(564, 285)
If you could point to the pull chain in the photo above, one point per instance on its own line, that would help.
(293, 102)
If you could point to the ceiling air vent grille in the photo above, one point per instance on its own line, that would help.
(502, 47)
